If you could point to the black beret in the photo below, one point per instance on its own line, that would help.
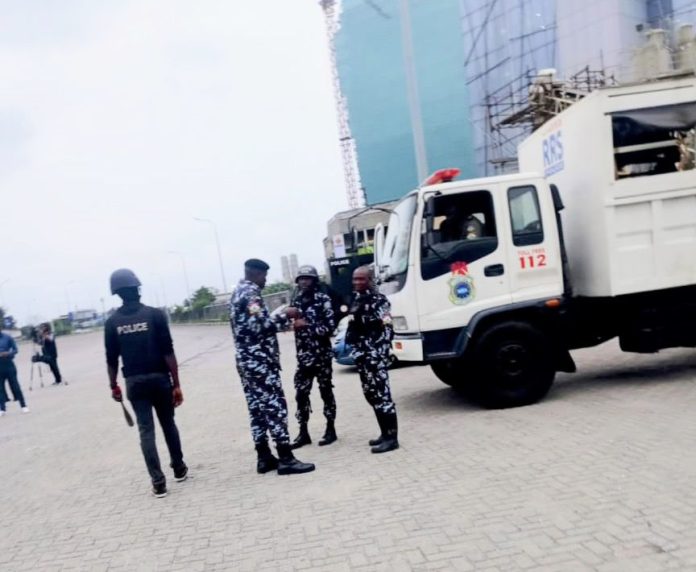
(256, 264)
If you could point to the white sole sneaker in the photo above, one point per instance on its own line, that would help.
(25, 410)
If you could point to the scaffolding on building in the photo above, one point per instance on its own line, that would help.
(349, 156)
(498, 67)
(524, 104)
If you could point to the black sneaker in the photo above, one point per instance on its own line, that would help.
(181, 475)
(160, 491)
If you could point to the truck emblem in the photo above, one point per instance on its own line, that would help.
(462, 289)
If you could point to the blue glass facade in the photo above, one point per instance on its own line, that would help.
(471, 55)
(370, 60)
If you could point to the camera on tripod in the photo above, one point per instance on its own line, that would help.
(37, 357)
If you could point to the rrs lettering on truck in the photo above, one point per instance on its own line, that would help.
(552, 150)
(555, 258)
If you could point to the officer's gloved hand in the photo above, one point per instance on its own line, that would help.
(116, 394)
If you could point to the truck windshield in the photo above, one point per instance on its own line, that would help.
(396, 243)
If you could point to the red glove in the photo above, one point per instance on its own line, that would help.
(116, 394)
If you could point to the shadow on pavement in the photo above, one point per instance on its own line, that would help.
(679, 369)
(438, 399)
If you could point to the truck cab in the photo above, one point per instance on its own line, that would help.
(462, 256)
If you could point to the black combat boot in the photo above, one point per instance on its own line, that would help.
(389, 441)
(266, 461)
(380, 421)
(303, 438)
(288, 465)
(329, 435)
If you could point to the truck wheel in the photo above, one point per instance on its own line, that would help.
(446, 371)
(514, 366)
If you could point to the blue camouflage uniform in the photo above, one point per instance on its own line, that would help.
(258, 363)
(370, 332)
(314, 353)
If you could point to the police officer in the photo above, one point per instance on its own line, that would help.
(313, 331)
(258, 364)
(8, 373)
(139, 335)
(370, 332)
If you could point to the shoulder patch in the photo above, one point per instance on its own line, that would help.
(254, 308)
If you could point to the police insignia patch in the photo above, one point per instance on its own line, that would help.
(462, 289)
(254, 308)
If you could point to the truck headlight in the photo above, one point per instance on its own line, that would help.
(400, 323)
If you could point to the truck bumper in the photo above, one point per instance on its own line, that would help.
(408, 347)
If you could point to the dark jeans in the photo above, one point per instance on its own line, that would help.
(148, 392)
(8, 372)
(53, 364)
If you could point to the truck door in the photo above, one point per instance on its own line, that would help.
(534, 259)
(462, 267)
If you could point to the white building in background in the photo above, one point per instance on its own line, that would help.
(293, 268)
(285, 268)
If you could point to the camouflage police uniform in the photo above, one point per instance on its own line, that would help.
(370, 333)
(258, 363)
(314, 353)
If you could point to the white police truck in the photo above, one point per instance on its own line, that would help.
(493, 281)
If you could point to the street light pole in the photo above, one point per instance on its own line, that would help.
(219, 252)
(414, 105)
(183, 265)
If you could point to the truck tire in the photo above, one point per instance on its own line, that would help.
(447, 372)
(513, 364)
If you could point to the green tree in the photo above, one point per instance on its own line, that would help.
(202, 297)
(277, 287)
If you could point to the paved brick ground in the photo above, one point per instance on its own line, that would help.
(600, 476)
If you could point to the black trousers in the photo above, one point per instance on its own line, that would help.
(52, 363)
(8, 373)
(148, 392)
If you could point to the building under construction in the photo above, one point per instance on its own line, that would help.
(425, 85)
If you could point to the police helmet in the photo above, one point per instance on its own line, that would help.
(307, 271)
(123, 278)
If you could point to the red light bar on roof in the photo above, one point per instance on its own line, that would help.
(441, 176)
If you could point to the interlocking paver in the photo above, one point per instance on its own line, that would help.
(599, 476)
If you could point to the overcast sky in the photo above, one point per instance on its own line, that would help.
(122, 120)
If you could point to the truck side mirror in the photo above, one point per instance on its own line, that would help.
(556, 197)
(379, 247)
(429, 207)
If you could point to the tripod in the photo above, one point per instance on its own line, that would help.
(36, 363)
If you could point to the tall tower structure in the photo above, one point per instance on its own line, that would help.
(293, 268)
(354, 192)
(285, 269)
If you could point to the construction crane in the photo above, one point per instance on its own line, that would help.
(349, 155)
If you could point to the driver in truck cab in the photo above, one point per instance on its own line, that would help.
(460, 226)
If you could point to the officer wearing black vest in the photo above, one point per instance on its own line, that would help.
(139, 335)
